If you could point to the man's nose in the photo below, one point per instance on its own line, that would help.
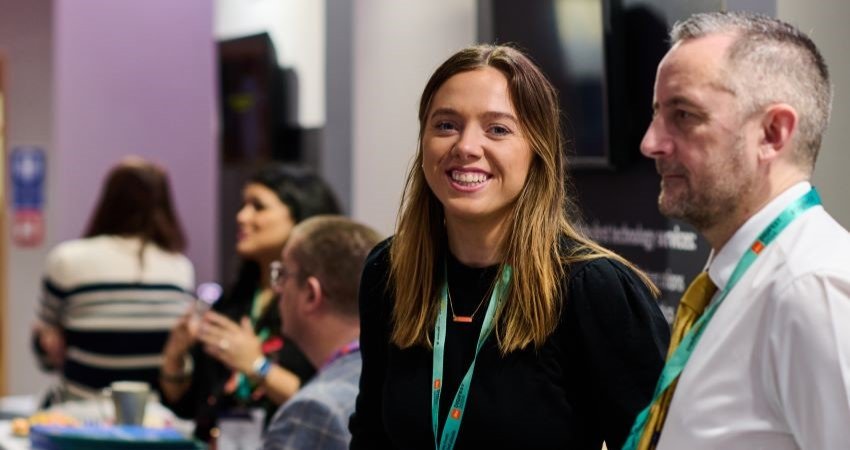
(656, 142)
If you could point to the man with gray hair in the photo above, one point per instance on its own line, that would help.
(760, 352)
(317, 278)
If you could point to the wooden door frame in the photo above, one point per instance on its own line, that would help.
(4, 287)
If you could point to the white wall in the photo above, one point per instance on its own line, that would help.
(395, 47)
(825, 21)
(297, 30)
(397, 44)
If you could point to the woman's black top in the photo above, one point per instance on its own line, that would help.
(207, 398)
(585, 385)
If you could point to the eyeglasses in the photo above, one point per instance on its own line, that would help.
(277, 274)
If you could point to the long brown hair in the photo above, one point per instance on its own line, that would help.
(539, 221)
(136, 201)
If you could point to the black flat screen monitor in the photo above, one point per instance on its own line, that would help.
(251, 110)
(572, 42)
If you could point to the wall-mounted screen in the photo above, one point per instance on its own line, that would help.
(571, 42)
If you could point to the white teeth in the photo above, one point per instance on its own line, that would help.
(468, 177)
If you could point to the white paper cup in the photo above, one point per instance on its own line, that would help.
(130, 399)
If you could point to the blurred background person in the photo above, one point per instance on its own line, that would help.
(318, 277)
(110, 298)
(219, 377)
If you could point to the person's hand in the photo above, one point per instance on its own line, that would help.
(52, 341)
(176, 372)
(234, 345)
(183, 335)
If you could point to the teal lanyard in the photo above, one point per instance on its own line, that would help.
(244, 386)
(455, 415)
(677, 361)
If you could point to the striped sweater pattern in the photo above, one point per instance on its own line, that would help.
(116, 306)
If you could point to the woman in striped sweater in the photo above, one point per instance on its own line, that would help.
(110, 299)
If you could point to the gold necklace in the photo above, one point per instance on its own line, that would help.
(463, 319)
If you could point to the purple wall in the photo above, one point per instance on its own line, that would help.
(136, 78)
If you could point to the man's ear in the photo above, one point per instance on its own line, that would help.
(315, 296)
(779, 126)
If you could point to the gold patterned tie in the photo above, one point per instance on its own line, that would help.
(690, 309)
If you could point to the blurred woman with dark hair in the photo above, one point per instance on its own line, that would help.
(110, 298)
(242, 362)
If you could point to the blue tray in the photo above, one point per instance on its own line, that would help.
(117, 437)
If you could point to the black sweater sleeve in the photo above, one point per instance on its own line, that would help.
(618, 330)
(366, 424)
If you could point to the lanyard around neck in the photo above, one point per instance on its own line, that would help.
(351, 347)
(257, 306)
(455, 415)
(243, 387)
(676, 363)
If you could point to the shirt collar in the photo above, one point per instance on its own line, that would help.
(722, 264)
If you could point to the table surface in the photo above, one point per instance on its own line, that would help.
(87, 411)
(10, 442)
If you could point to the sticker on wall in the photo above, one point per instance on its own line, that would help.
(27, 165)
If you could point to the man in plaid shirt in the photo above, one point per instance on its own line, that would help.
(318, 278)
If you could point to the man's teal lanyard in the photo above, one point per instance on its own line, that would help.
(455, 415)
(677, 361)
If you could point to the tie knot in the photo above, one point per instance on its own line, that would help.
(699, 293)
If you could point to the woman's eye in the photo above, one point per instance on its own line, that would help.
(445, 126)
(500, 130)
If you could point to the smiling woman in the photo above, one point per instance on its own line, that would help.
(475, 157)
(264, 223)
(544, 320)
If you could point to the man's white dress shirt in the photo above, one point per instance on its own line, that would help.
(772, 369)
